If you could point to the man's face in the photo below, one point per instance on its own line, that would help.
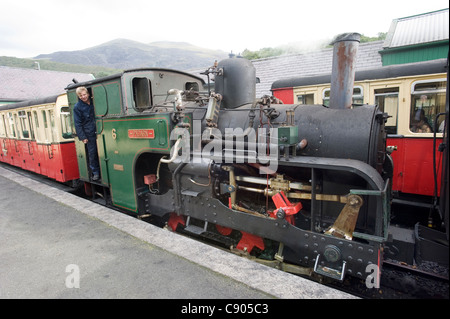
(84, 96)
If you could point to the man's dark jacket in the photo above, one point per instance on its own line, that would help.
(84, 118)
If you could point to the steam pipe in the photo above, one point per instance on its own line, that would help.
(176, 148)
(343, 70)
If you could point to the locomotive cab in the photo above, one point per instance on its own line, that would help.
(134, 117)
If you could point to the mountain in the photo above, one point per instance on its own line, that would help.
(97, 71)
(128, 54)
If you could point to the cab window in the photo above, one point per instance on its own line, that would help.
(191, 86)
(142, 94)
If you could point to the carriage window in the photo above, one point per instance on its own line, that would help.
(30, 124)
(44, 117)
(387, 100)
(36, 122)
(2, 126)
(16, 125)
(23, 124)
(51, 115)
(427, 100)
(12, 128)
(326, 97)
(66, 123)
(142, 94)
(358, 96)
(305, 99)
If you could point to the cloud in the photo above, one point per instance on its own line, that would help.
(35, 27)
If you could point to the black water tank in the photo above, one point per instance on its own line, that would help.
(237, 82)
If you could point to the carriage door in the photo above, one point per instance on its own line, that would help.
(15, 148)
(38, 145)
(47, 150)
(80, 148)
(4, 141)
(26, 143)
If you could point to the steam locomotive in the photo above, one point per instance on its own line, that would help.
(304, 188)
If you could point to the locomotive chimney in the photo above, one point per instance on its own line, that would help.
(343, 70)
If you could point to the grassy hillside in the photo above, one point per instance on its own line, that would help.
(128, 54)
(97, 71)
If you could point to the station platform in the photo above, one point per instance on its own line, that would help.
(55, 245)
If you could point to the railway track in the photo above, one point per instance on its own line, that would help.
(416, 282)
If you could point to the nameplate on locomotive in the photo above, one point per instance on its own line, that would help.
(141, 133)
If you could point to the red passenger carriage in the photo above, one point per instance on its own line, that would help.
(36, 136)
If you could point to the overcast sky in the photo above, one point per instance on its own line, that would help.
(29, 28)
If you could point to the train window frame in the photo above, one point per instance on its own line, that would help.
(11, 123)
(99, 97)
(3, 131)
(16, 125)
(190, 90)
(392, 122)
(53, 128)
(359, 96)
(30, 125)
(142, 93)
(24, 129)
(38, 125)
(325, 98)
(10, 120)
(191, 86)
(66, 123)
(46, 127)
(303, 98)
(424, 114)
